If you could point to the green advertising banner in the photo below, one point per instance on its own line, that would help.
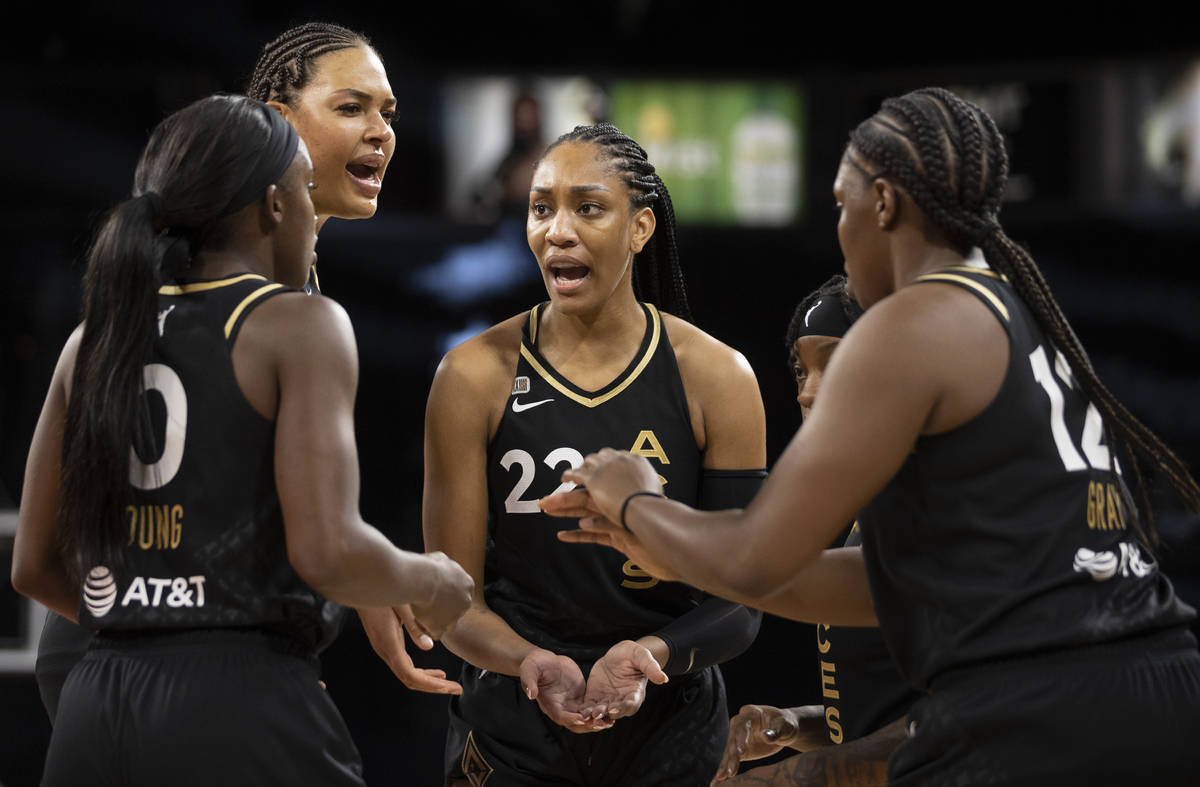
(729, 152)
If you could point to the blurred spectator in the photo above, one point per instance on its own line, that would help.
(1173, 136)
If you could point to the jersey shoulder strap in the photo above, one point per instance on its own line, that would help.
(985, 283)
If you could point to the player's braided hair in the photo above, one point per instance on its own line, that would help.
(657, 276)
(948, 155)
(285, 65)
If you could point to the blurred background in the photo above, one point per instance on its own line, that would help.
(744, 111)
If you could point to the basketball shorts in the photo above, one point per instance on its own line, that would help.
(210, 707)
(60, 648)
(498, 737)
(1123, 713)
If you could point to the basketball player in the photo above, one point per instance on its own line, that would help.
(864, 697)
(1013, 578)
(195, 460)
(331, 84)
(560, 645)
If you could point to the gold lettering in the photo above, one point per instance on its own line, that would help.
(162, 521)
(155, 527)
(1115, 520)
(146, 527)
(638, 578)
(1091, 505)
(833, 721)
(655, 450)
(828, 679)
(823, 645)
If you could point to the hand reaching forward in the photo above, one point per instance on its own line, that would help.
(385, 629)
(557, 684)
(595, 529)
(759, 731)
(611, 476)
(616, 686)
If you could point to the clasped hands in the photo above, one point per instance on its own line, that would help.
(615, 687)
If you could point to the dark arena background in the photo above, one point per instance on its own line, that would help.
(744, 109)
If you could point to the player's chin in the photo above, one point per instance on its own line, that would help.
(365, 208)
(356, 206)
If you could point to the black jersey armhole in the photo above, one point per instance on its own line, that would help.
(237, 317)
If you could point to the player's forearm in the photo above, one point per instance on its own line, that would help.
(360, 567)
(709, 550)
(712, 632)
(483, 639)
(857, 763)
(832, 589)
(50, 587)
(863, 762)
(703, 548)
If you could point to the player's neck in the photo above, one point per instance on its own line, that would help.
(227, 262)
(916, 259)
(599, 342)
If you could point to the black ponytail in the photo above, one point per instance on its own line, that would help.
(201, 164)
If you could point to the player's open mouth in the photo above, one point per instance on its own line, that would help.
(365, 172)
(568, 277)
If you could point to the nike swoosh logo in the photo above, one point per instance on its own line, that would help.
(520, 408)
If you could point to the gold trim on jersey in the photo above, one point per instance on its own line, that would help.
(316, 278)
(534, 321)
(656, 332)
(974, 285)
(246, 302)
(201, 286)
(969, 269)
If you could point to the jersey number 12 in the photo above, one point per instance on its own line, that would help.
(1092, 440)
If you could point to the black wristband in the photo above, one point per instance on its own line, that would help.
(626, 505)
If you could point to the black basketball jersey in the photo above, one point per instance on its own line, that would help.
(1011, 534)
(576, 599)
(860, 686)
(205, 545)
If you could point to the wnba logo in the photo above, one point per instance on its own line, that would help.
(99, 591)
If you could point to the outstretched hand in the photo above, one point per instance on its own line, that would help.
(616, 686)
(759, 731)
(385, 627)
(610, 477)
(557, 684)
(595, 529)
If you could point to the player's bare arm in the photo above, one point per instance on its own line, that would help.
(37, 568)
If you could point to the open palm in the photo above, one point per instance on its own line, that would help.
(616, 686)
(556, 683)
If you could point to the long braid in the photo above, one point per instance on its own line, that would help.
(949, 156)
(657, 275)
(284, 67)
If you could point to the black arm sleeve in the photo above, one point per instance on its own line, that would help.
(716, 630)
